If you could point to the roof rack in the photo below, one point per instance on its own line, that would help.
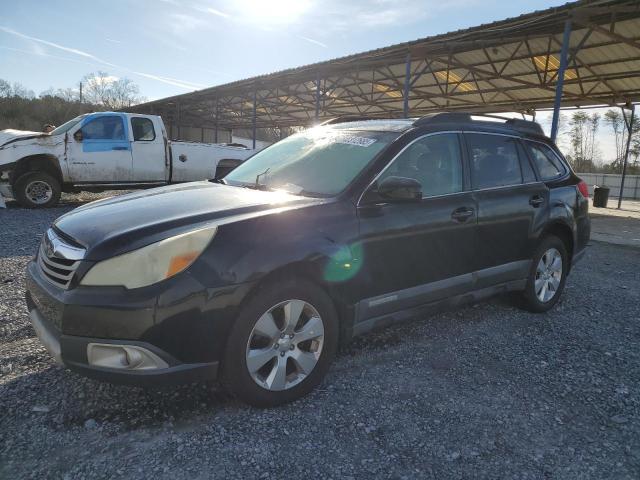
(346, 118)
(523, 126)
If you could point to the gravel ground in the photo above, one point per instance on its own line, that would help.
(487, 391)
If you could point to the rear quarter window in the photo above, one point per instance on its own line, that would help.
(143, 130)
(546, 161)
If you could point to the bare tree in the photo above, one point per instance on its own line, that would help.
(111, 92)
(16, 90)
(582, 133)
(614, 119)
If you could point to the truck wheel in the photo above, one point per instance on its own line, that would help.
(36, 190)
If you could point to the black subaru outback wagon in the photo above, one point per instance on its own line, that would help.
(258, 277)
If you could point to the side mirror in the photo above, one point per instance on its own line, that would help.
(78, 136)
(400, 189)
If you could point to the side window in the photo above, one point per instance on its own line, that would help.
(528, 174)
(142, 129)
(108, 127)
(546, 161)
(494, 160)
(435, 161)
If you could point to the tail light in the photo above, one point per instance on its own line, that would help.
(583, 189)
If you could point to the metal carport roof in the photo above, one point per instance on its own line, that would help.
(509, 65)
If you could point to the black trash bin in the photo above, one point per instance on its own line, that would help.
(600, 196)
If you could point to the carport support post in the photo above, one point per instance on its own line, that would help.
(179, 119)
(566, 37)
(629, 125)
(318, 96)
(407, 85)
(215, 132)
(253, 118)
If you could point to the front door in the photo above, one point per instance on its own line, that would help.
(99, 151)
(512, 206)
(416, 253)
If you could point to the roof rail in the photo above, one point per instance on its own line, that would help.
(346, 118)
(523, 126)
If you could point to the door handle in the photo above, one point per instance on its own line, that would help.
(119, 148)
(536, 201)
(462, 214)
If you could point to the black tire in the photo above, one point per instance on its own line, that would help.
(235, 373)
(24, 181)
(530, 299)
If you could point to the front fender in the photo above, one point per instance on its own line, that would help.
(12, 155)
(8, 159)
(320, 241)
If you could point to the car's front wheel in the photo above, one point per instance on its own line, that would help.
(547, 275)
(37, 190)
(281, 345)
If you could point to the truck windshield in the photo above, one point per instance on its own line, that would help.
(67, 125)
(320, 162)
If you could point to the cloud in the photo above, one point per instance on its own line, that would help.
(169, 81)
(184, 23)
(75, 51)
(106, 80)
(112, 40)
(48, 55)
(311, 40)
(214, 11)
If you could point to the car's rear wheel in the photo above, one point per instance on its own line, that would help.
(281, 345)
(37, 190)
(547, 275)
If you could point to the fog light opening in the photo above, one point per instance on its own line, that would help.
(123, 357)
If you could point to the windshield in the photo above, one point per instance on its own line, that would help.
(67, 125)
(321, 161)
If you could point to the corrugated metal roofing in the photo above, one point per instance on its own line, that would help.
(509, 65)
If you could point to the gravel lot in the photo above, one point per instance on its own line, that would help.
(487, 391)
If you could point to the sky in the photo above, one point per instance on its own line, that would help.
(169, 47)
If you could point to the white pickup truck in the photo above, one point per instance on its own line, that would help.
(104, 151)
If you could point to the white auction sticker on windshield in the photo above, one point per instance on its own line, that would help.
(353, 140)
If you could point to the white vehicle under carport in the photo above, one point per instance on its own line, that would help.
(104, 151)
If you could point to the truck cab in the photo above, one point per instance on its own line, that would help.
(100, 151)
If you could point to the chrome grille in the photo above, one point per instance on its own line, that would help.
(58, 260)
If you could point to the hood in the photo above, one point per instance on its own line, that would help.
(119, 224)
(9, 136)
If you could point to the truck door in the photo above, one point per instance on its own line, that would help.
(99, 151)
(148, 151)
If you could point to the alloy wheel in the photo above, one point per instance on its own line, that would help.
(548, 275)
(285, 345)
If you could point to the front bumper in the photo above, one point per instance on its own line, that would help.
(75, 358)
(179, 321)
(5, 192)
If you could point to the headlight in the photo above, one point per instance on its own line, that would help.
(150, 264)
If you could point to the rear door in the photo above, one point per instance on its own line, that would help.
(415, 253)
(99, 150)
(512, 206)
(148, 149)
